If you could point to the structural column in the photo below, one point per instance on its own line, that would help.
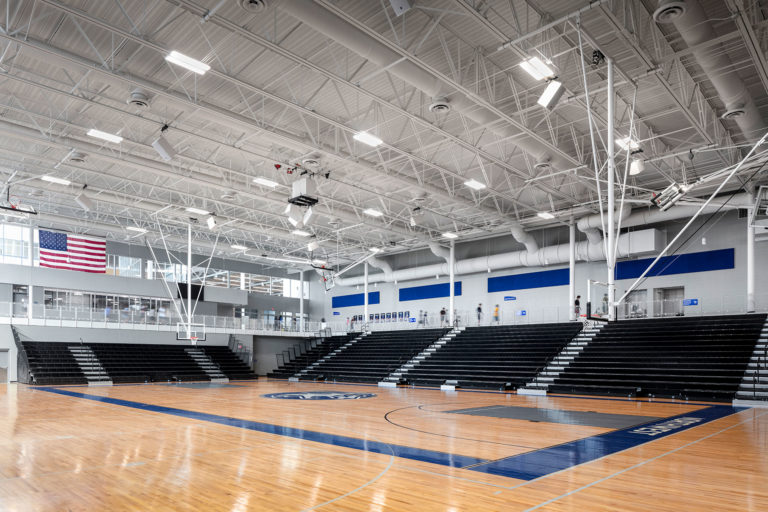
(572, 269)
(610, 228)
(301, 301)
(451, 278)
(365, 294)
(750, 257)
(31, 262)
(189, 280)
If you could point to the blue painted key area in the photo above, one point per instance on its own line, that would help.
(526, 466)
(538, 463)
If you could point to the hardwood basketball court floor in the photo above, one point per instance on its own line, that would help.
(335, 447)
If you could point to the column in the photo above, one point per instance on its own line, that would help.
(365, 293)
(611, 227)
(750, 257)
(451, 279)
(301, 301)
(572, 270)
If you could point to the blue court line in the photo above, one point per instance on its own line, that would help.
(538, 463)
(525, 466)
(405, 452)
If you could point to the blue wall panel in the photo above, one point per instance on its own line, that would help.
(431, 291)
(356, 299)
(541, 279)
(721, 259)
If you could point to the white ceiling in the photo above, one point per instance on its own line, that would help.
(279, 91)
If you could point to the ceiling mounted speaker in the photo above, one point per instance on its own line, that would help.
(84, 202)
(311, 162)
(253, 6)
(669, 11)
(164, 148)
(540, 166)
(138, 98)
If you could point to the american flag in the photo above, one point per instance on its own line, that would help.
(73, 252)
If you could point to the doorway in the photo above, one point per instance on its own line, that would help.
(668, 301)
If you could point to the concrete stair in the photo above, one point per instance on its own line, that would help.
(546, 377)
(90, 365)
(206, 363)
(303, 373)
(754, 384)
(399, 376)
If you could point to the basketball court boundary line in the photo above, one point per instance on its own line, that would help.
(526, 466)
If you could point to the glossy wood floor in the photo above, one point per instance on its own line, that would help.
(67, 453)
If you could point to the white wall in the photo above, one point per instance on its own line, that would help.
(265, 348)
(74, 334)
(711, 288)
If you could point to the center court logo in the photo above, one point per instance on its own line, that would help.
(319, 395)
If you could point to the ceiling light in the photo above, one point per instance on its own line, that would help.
(319, 262)
(545, 215)
(211, 222)
(374, 250)
(537, 68)
(450, 235)
(239, 247)
(551, 94)
(265, 182)
(189, 63)
(307, 216)
(474, 184)
(198, 211)
(54, 179)
(372, 212)
(164, 148)
(628, 144)
(367, 138)
(312, 246)
(636, 167)
(136, 229)
(299, 232)
(109, 137)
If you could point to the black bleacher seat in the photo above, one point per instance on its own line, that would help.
(229, 363)
(322, 349)
(131, 362)
(491, 357)
(52, 364)
(701, 358)
(375, 356)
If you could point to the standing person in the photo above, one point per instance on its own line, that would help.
(421, 318)
(577, 306)
(605, 304)
(442, 317)
(479, 313)
(496, 314)
(426, 319)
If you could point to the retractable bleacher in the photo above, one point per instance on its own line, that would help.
(495, 356)
(130, 362)
(52, 364)
(375, 356)
(702, 358)
(229, 363)
(315, 353)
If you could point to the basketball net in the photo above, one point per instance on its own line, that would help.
(193, 339)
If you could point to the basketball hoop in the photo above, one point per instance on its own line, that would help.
(193, 339)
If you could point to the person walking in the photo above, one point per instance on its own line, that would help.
(479, 313)
(577, 306)
(496, 314)
(426, 319)
(442, 317)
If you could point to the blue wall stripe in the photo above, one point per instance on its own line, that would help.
(538, 463)
(720, 259)
(356, 299)
(430, 291)
(541, 279)
(525, 466)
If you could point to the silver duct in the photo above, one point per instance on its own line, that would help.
(694, 27)
(630, 244)
(333, 27)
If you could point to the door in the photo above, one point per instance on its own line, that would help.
(4, 366)
(668, 301)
